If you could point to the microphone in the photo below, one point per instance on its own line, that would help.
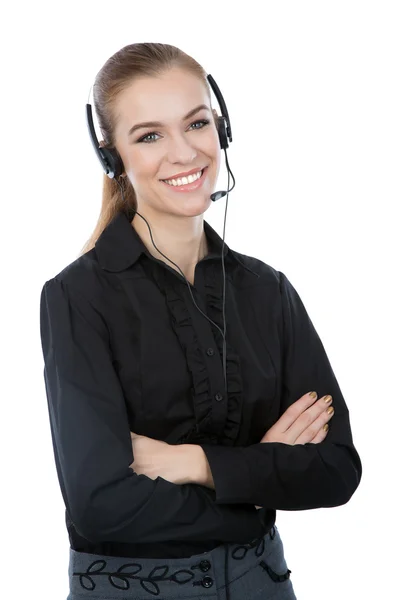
(217, 195)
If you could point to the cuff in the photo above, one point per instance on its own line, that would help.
(230, 473)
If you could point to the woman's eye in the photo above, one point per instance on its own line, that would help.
(145, 139)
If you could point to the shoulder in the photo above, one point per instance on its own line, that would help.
(258, 272)
(83, 277)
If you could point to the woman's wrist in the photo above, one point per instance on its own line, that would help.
(197, 466)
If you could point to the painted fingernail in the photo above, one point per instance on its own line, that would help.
(328, 399)
(313, 395)
(326, 427)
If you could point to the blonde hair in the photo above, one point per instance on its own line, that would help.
(120, 70)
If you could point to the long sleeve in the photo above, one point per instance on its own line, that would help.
(92, 445)
(281, 476)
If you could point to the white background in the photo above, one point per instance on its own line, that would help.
(313, 93)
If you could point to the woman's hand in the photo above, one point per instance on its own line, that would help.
(155, 458)
(303, 422)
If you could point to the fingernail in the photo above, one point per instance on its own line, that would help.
(313, 395)
(326, 427)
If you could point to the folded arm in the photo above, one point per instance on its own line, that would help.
(282, 476)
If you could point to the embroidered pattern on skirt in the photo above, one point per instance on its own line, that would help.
(130, 571)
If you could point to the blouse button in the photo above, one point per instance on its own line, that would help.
(205, 565)
(218, 397)
(207, 582)
(210, 352)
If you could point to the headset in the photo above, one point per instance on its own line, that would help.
(113, 167)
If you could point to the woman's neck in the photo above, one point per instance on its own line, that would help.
(186, 254)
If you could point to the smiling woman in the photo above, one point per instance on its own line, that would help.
(168, 434)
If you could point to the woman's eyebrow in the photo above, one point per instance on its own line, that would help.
(159, 124)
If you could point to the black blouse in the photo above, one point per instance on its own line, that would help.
(125, 349)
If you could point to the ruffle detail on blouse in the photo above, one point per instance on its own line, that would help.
(214, 302)
(204, 429)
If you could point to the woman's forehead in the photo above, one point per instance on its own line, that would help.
(164, 99)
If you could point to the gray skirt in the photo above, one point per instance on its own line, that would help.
(253, 571)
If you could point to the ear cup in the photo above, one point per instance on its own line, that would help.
(112, 162)
(222, 133)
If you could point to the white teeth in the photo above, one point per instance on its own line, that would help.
(184, 180)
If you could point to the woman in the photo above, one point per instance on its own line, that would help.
(173, 458)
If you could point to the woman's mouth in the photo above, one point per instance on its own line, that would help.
(179, 185)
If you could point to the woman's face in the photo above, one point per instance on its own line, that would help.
(178, 144)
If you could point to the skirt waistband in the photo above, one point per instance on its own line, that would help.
(201, 575)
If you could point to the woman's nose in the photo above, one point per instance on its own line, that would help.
(180, 150)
